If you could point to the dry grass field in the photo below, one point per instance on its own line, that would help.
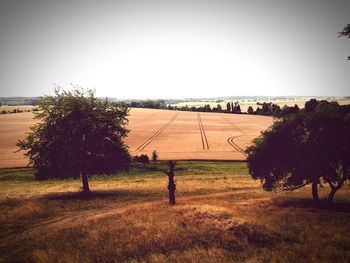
(13, 127)
(221, 215)
(173, 134)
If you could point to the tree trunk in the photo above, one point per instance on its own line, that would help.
(314, 192)
(335, 187)
(171, 185)
(84, 178)
(331, 195)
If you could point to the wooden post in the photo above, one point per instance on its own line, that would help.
(171, 185)
(84, 177)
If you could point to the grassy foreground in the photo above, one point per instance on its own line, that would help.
(221, 215)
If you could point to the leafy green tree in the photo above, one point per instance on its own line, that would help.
(345, 33)
(77, 136)
(143, 158)
(228, 107)
(250, 110)
(238, 109)
(311, 147)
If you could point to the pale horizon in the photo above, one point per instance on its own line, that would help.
(175, 49)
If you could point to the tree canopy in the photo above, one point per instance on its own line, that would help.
(77, 135)
(309, 147)
(345, 33)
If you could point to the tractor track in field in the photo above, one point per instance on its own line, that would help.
(205, 143)
(230, 140)
(234, 126)
(156, 134)
(235, 145)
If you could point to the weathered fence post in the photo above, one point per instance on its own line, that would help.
(171, 185)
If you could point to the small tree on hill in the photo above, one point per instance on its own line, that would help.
(311, 147)
(250, 110)
(77, 136)
(154, 156)
(228, 107)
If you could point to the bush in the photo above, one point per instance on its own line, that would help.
(154, 156)
(143, 158)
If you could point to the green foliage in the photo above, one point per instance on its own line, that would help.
(228, 107)
(143, 158)
(345, 33)
(310, 147)
(77, 133)
(250, 110)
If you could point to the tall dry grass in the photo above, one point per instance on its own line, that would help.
(219, 217)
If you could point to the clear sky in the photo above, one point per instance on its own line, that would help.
(175, 49)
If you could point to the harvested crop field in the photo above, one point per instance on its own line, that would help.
(191, 135)
(13, 127)
(174, 135)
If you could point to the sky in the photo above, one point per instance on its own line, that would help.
(175, 49)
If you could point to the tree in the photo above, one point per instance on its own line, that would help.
(311, 105)
(154, 156)
(143, 158)
(345, 33)
(311, 147)
(171, 183)
(77, 136)
(238, 109)
(286, 110)
(250, 110)
(228, 107)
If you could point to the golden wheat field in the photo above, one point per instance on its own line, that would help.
(174, 135)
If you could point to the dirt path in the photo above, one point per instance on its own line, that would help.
(73, 219)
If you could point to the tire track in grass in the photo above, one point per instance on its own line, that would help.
(205, 143)
(156, 134)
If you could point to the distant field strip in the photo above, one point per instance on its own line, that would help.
(173, 134)
(156, 134)
(234, 145)
(205, 143)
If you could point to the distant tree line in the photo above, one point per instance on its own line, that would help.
(271, 109)
(265, 108)
(17, 111)
(149, 104)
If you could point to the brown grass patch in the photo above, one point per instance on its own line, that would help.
(218, 218)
